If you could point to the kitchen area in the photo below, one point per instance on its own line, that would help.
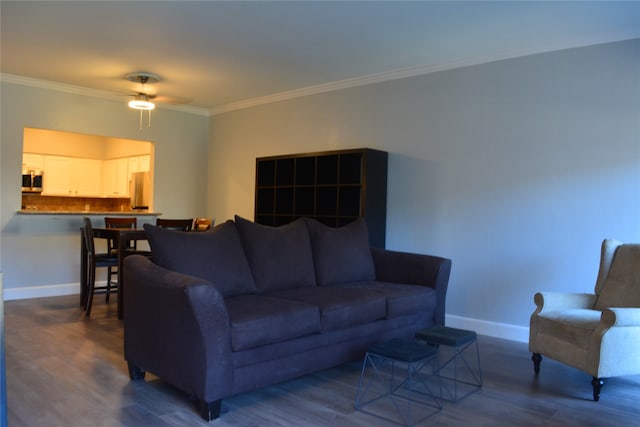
(70, 173)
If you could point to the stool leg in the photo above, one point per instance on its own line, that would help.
(479, 367)
(91, 282)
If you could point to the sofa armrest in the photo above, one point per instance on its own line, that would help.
(415, 269)
(177, 327)
(551, 301)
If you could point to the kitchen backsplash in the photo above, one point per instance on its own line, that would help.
(37, 202)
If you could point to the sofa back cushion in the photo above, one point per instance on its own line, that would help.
(341, 254)
(215, 255)
(279, 257)
(622, 286)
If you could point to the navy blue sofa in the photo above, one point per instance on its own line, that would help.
(244, 305)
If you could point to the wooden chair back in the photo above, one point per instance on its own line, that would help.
(202, 224)
(175, 224)
(120, 222)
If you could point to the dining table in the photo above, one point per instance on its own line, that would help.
(123, 236)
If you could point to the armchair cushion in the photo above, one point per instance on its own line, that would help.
(573, 325)
(622, 285)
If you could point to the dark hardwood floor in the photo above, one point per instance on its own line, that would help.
(66, 370)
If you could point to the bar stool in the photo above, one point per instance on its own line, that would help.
(94, 261)
(414, 396)
(112, 244)
(461, 341)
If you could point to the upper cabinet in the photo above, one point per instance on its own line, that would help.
(71, 176)
(116, 177)
(32, 162)
(68, 176)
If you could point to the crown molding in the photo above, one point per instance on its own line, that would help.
(96, 93)
(323, 87)
(409, 72)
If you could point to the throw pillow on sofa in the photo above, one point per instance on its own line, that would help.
(215, 255)
(280, 257)
(342, 254)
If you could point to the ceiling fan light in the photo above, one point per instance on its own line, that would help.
(141, 102)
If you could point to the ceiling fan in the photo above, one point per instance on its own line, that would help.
(142, 99)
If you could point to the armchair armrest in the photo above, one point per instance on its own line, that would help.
(415, 269)
(549, 301)
(617, 340)
(177, 327)
(620, 316)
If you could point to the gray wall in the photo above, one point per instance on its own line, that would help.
(515, 169)
(41, 251)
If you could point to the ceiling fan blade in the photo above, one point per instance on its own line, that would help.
(175, 100)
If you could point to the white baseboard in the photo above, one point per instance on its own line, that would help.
(41, 291)
(482, 327)
(492, 329)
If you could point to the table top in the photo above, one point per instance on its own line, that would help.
(114, 233)
(403, 350)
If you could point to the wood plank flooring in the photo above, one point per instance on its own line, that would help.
(66, 370)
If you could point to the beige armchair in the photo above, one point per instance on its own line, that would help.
(596, 333)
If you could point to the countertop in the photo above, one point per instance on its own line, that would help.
(87, 213)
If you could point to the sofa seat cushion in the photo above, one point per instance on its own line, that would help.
(575, 326)
(401, 299)
(342, 254)
(215, 255)
(279, 257)
(340, 307)
(258, 320)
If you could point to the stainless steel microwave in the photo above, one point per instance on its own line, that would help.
(32, 181)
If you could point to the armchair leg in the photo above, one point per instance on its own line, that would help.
(597, 384)
(536, 362)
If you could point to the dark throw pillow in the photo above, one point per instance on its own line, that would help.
(215, 255)
(280, 257)
(341, 254)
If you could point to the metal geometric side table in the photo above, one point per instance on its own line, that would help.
(464, 375)
(394, 370)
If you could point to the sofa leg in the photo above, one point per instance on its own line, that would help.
(209, 410)
(135, 373)
(536, 362)
(597, 384)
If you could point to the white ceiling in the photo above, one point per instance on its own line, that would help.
(216, 56)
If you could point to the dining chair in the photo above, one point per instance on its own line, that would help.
(202, 224)
(112, 244)
(94, 261)
(175, 224)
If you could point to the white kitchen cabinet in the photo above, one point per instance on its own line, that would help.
(116, 177)
(144, 163)
(139, 164)
(88, 177)
(31, 161)
(69, 176)
(57, 176)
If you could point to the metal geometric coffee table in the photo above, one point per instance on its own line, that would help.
(464, 375)
(394, 384)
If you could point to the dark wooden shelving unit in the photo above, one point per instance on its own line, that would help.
(334, 187)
